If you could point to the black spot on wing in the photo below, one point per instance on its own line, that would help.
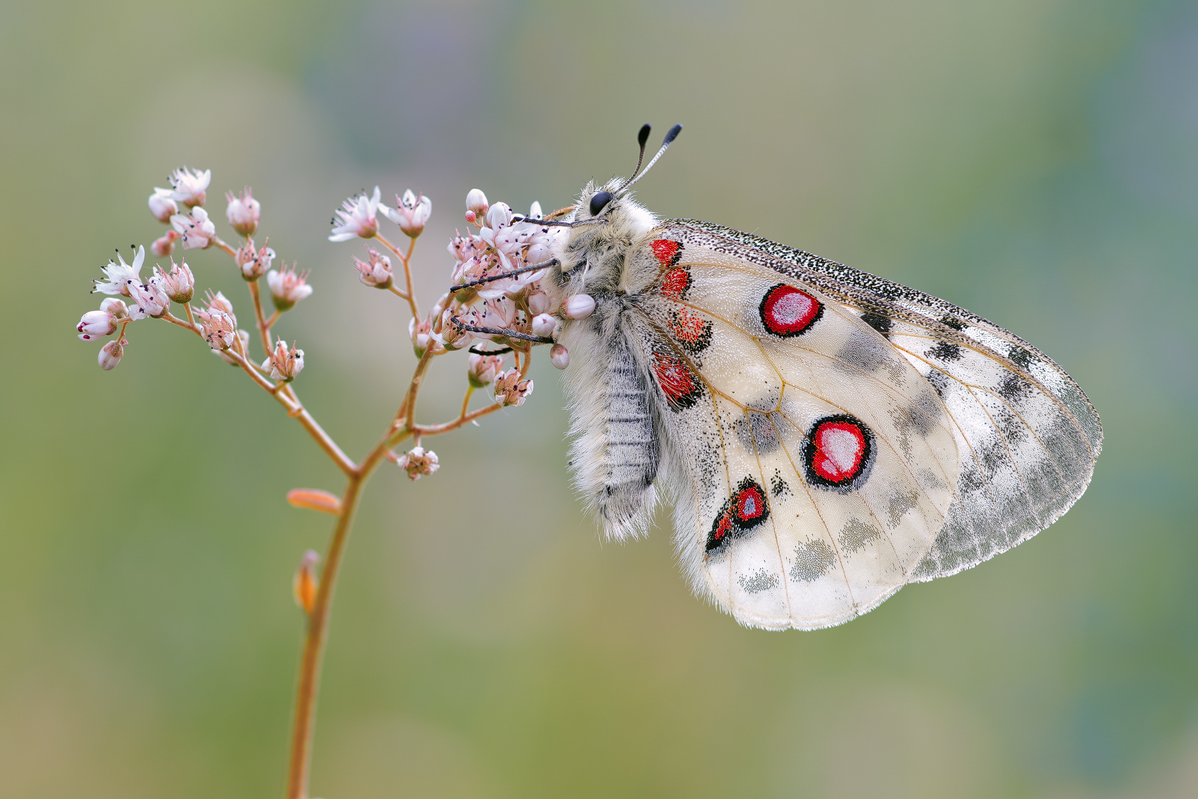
(944, 351)
(882, 324)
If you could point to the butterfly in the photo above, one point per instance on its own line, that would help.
(826, 436)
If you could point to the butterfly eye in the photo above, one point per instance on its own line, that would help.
(599, 201)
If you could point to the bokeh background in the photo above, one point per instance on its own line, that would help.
(1035, 161)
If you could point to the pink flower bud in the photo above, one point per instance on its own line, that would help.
(580, 306)
(376, 272)
(96, 324)
(162, 206)
(287, 287)
(476, 202)
(110, 355)
(243, 212)
(163, 247)
(538, 302)
(416, 462)
(410, 213)
(544, 325)
(421, 334)
(483, 369)
(559, 356)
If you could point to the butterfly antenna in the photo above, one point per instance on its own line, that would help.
(641, 138)
(673, 134)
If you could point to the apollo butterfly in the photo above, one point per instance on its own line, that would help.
(826, 436)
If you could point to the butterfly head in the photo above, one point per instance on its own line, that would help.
(604, 223)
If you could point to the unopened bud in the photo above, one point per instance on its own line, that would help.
(305, 585)
(476, 202)
(559, 356)
(580, 306)
(543, 325)
(164, 246)
(163, 206)
(110, 355)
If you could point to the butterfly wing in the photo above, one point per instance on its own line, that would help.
(832, 436)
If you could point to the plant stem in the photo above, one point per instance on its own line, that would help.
(317, 635)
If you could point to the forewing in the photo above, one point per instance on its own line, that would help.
(1025, 434)
(817, 464)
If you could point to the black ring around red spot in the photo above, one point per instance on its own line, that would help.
(838, 452)
(744, 510)
(788, 311)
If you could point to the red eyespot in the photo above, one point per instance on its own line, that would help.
(838, 451)
(787, 311)
(744, 510)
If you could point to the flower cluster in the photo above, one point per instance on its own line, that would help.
(497, 307)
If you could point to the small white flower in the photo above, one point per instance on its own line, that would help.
(149, 299)
(410, 213)
(253, 263)
(284, 364)
(483, 369)
(243, 212)
(197, 230)
(376, 272)
(118, 277)
(189, 186)
(416, 462)
(242, 336)
(358, 217)
(535, 211)
(421, 334)
(287, 287)
(163, 205)
(510, 389)
(179, 283)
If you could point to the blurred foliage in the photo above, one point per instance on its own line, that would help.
(1033, 161)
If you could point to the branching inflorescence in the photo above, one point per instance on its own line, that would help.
(496, 310)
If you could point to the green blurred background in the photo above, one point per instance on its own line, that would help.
(1033, 161)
